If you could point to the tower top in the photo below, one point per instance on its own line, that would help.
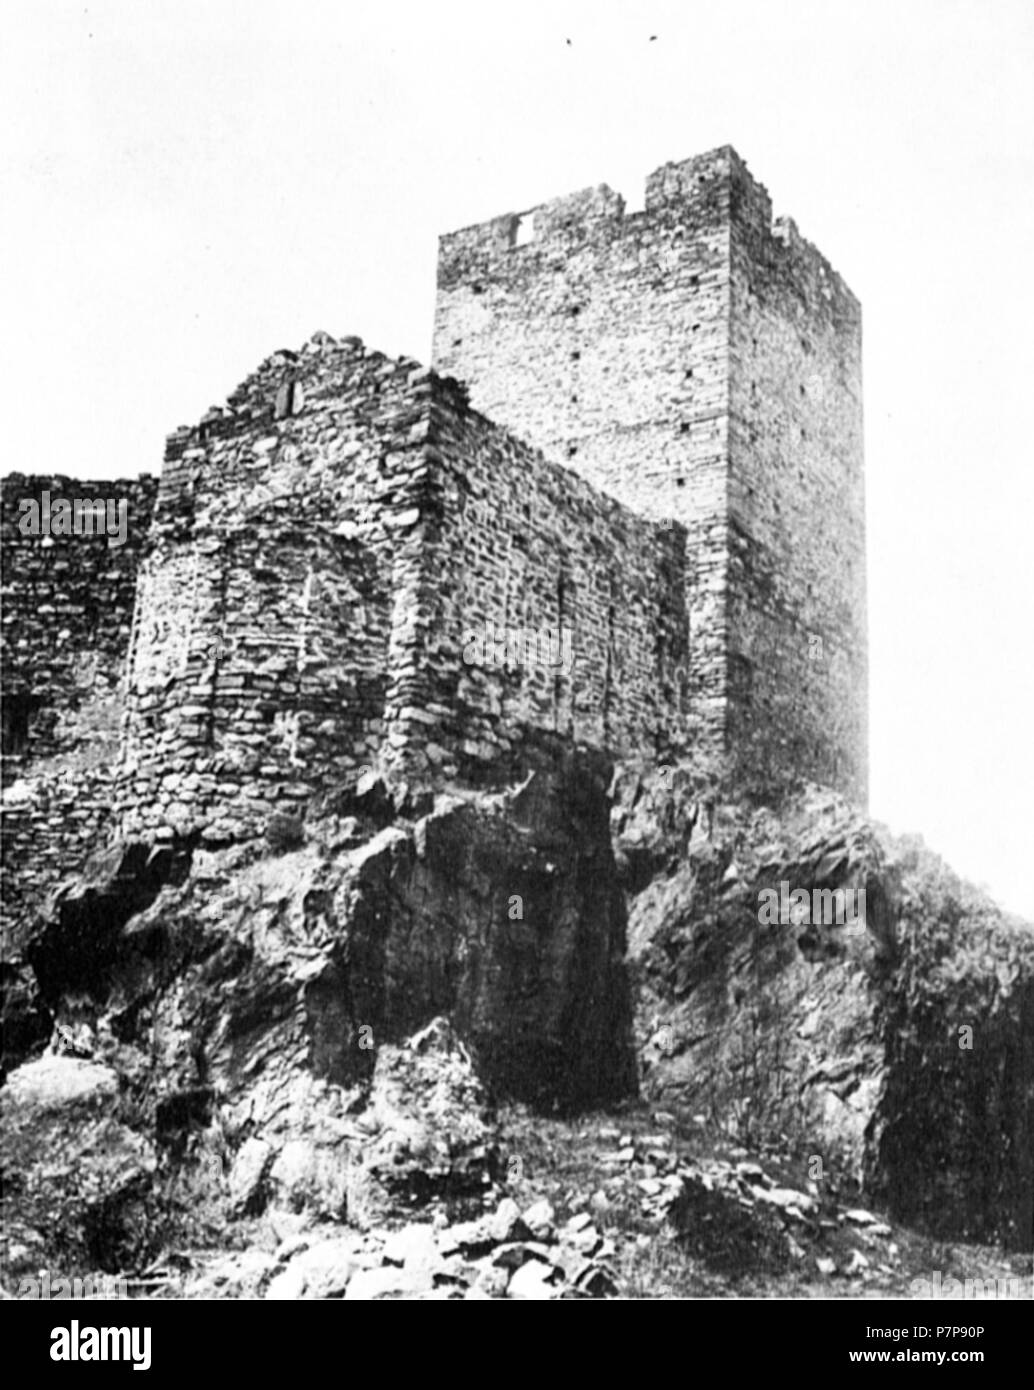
(713, 188)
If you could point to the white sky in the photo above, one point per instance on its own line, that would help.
(190, 186)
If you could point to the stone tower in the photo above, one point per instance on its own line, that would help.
(703, 364)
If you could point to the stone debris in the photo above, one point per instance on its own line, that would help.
(796, 1204)
(539, 1219)
(726, 1210)
(536, 1279)
(322, 1271)
(465, 1260)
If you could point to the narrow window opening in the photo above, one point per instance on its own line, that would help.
(17, 715)
(523, 230)
(289, 399)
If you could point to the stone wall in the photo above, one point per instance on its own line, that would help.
(797, 608)
(67, 610)
(649, 352)
(604, 341)
(283, 563)
(590, 596)
(325, 551)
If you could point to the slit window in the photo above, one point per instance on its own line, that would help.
(289, 399)
(17, 716)
(523, 231)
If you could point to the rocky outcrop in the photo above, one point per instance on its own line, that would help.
(308, 1034)
(895, 1052)
(321, 1026)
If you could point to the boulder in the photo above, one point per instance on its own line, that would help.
(322, 1271)
(72, 1171)
(431, 1135)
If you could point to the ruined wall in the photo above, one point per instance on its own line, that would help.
(274, 605)
(660, 354)
(67, 610)
(517, 545)
(323, 549)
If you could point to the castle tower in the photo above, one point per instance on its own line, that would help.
(701, 364)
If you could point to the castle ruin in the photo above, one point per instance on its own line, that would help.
(641, 430)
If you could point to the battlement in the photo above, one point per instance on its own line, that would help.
(715, 188)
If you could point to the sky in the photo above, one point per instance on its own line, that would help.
(190, 186)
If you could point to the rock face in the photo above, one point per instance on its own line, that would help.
(509, 918)
(321, 1029)
(896, 1051)
(314, 1028)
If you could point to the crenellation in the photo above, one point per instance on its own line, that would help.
(575, 215)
